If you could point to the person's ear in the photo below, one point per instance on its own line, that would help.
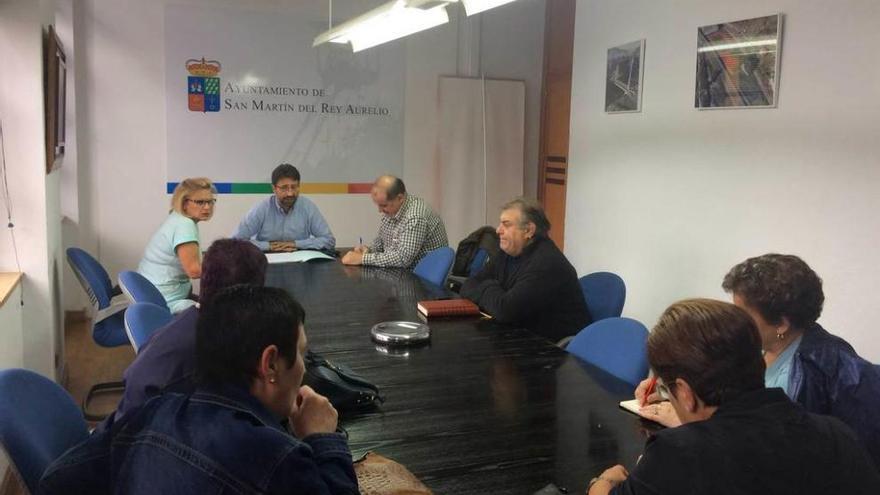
(268, 365)
(783, 327)
(530, 230)
(685, 395)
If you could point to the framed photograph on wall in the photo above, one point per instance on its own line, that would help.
(623, 77)
(738, 63)
(55, 95)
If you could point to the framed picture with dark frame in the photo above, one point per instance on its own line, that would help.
(55, 94)
(738, 63)
(623, 77)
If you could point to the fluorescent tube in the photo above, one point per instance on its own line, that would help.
(472, 7)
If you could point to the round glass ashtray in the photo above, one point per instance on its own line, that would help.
(400, 333)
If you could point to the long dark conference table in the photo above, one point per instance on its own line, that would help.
(483, 408)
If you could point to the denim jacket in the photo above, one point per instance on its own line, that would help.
(828, 377)
(220, 441)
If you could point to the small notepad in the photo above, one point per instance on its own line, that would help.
(631, 405)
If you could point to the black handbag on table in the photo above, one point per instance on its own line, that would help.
(345, 389)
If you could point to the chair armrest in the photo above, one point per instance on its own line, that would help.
(116, 305)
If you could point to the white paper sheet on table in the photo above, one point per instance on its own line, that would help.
(297, 256)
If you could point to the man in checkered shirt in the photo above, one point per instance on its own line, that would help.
(409, 230)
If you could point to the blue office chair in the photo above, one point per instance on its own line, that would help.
(38, 422)
(616, 345)
(107, 326)
(479, 261)
(141, 320)
(106, 315)
(138, 289)
(435, 266)
(605, 293)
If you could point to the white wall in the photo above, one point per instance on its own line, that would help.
(518, 57)
(30, 332)
(71, 187)
(122, 148)
(33, 194)
(672, 197)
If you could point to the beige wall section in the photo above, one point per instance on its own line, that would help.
(33, 194)
(122, 148)
(672, 197)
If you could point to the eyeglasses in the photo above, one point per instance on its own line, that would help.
(201, 203)
(288, 188)
(663, 390)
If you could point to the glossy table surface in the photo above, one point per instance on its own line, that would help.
(483, 408)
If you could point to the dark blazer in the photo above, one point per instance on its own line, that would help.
(538, 289)
(828, 377)
(760, 443)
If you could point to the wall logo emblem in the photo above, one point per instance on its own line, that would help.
(203, 85)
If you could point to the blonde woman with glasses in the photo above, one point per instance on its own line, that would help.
(172, 257)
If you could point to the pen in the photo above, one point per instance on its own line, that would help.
(360, 241)
(649, 390)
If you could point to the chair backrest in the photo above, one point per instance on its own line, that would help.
(107, 324)
(92, 277)
(478, 262)
(38, 422)
(605, 293)
(616, 345)
(142, 319)
(434, 267)
(138, 289)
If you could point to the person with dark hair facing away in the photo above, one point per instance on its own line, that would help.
(530, 282)
(286, 221)
(409, 229)
(738, 437)
(168, 358)
(819, 370)
(249, 427)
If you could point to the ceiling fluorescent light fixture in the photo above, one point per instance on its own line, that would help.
(472, 7)
(387, 22)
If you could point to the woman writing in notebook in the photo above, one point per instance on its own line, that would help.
(820, 371)
(737, 436)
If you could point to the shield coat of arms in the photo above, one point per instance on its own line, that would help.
(203, 85)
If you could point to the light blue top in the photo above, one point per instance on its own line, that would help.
(778, 373)
(161, 265)
(303, 224)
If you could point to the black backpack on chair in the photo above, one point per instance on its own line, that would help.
(485, 238)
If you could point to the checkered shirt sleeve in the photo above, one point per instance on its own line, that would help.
(406, 239)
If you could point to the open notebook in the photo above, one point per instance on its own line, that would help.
(632, 406)
(297, 256)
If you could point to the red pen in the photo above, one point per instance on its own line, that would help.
(650, 390)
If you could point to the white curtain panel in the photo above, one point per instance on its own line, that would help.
(480, 150)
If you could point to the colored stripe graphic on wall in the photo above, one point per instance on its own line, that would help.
(307, 188)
